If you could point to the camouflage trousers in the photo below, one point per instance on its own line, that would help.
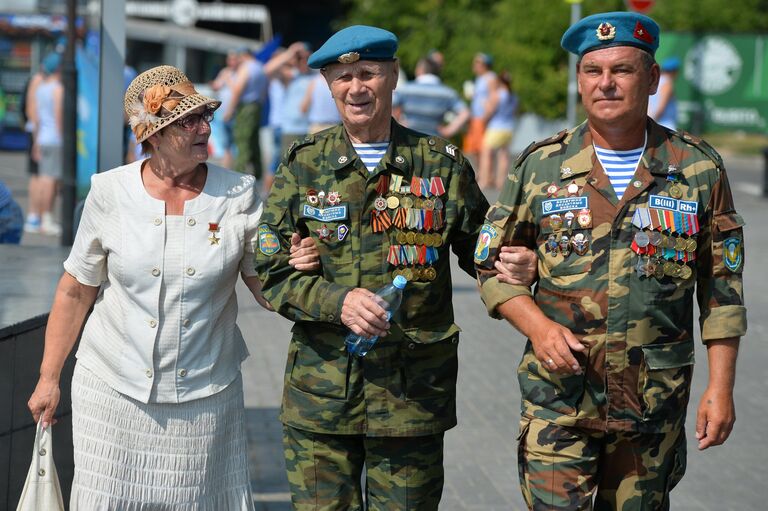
(245, 133)
(325, 471)
(569, 469)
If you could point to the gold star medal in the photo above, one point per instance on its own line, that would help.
(213, 228)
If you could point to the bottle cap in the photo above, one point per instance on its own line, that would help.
(399, 282)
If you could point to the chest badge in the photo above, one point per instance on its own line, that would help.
(324, 233)
(213, 228)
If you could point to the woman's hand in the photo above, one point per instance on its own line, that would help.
(254, 285)
(304, 254)
(44, 401)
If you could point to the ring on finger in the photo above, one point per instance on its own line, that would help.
(550, 362)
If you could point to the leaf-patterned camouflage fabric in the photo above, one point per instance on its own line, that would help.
(638, 327)
(407, 384)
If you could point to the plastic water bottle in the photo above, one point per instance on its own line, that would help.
(392, 294)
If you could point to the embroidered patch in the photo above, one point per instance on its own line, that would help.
(487, 233)
(341, 232)
(551, 206)
(733, 254)
(268, 242)
(671, 204)
(333, 214)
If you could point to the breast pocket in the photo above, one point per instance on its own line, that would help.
(332, 241)
(565, 253)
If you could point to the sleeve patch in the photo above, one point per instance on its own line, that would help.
(487, 233)
(269, 244)
(733, 254)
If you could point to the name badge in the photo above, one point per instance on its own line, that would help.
(551, 206)
(672, 204)
(332, 214)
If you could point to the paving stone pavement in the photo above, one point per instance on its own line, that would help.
(481, 457)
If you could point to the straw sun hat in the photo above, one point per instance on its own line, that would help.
(159, 96)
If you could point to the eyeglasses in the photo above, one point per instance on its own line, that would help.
(191, 122)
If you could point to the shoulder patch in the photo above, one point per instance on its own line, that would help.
(732, 254)
(269, 243)
(558, 137)
(702, 145)
(440, 145)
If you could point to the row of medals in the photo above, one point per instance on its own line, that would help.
(657, 266)
(434, 239)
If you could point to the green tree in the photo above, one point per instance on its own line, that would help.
(524, 35)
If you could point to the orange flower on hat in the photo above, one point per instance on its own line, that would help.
(154, 97)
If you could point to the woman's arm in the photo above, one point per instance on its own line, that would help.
(71, 304)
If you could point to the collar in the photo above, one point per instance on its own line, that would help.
(581, 162)
(660, 155)
(398, 157)
(428, 78)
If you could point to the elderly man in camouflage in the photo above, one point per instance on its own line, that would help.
(380, 200)
(627, 218)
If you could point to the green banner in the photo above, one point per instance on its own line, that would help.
(723, 81)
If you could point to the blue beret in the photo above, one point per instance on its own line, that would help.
(611, 29)
(358, 42)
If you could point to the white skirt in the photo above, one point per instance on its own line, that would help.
(132, 456)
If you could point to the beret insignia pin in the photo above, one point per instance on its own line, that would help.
(606, 31)
(642, 33)
(349, 57)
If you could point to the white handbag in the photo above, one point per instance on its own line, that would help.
(41, 489)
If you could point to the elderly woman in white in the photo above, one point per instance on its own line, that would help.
(157, 396)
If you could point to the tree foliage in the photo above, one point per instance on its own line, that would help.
(524, 35)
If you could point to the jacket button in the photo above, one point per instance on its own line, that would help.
(182, 373)
(41, 473)
(331, 317)
(156, 271)
(148, 373)
(158, 221)
(455, 340)
(343, 159)
(412, 346)
(186, 322)
(399, 159)
(191, 222)
(42, 452)
(190, 271)
(152, 323)
(637, 184)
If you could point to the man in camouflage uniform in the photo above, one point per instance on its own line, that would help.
(388, 410)
(606, 373)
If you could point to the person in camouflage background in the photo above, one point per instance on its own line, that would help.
(380, 200)
(628, 219)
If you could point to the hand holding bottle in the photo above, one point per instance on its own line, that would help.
(388, 299)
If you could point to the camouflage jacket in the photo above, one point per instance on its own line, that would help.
(625, 295)
(406, 385)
